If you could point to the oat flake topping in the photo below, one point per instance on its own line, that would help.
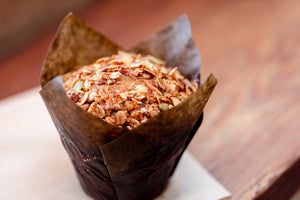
(127, 89)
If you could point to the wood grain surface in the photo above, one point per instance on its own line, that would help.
(250, 137)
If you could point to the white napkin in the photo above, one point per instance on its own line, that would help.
(35, 166)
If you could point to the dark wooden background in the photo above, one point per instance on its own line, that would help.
(250, 138)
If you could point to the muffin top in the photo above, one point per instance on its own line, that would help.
(127, 89)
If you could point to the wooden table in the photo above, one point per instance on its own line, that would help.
(250, 137)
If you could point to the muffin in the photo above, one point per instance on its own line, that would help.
(124, 118)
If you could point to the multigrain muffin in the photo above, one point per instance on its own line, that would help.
(152, 111)
(127, 89)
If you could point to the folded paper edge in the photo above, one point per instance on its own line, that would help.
(69, 21)
(179, 30)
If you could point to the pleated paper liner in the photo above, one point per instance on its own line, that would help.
(112, 162)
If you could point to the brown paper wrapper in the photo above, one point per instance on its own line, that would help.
(111, 162)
